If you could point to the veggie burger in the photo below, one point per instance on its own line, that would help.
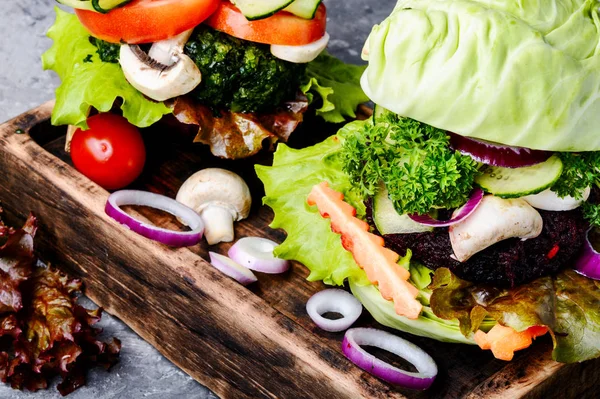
(241, 72)
(466, 209)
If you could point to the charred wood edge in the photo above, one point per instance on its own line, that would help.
(214, 329)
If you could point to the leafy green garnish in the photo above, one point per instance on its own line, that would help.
(567, 303)
(338, 85)
(93, 83)
(414, 162)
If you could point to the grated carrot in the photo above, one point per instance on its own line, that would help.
(380, 263)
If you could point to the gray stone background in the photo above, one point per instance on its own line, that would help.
(142, 372)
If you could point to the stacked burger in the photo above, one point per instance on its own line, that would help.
(479, 170)
(241, 72)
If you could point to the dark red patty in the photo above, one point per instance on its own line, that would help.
(508, 263)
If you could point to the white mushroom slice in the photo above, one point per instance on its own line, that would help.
(494, 220)
(167, 51)
(548, 200)
(300, 54)
(220, 197)
(157, 81)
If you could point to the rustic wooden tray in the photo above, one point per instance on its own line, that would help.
(240, 342)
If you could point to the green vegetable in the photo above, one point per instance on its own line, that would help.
(568, 304)
(519, 182)
(240, 75)
(310, 239)
(94, 84)
(259, 9)
(414, 162)
(504, 71)
(108, 52)
(338, 86)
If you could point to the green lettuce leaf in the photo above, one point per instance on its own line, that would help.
(338, 85)
(88, 82)
(568, 304)
(523, 73)
(310, 239)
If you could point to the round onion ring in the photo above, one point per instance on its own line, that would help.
(333, 300)
(357, 337)
(256, 253)
(232, 269)
(458, 216)
(496, 154)
(157, 201)
(588, 263)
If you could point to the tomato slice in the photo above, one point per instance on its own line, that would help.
(282, 28)
(147, 21)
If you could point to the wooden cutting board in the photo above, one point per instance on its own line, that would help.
(255, 342)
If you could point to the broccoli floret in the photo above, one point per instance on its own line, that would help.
(240, 75)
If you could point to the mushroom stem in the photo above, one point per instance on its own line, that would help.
(218, 224)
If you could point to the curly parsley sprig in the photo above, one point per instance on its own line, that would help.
(414, 162)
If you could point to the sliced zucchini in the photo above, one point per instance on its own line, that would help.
(304, 8)
(101, 6)
(388, 220)
(259, 9)
(519, 182)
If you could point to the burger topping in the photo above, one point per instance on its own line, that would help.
(548, 200)
(300, 54)
(494, 220)
(156, 80)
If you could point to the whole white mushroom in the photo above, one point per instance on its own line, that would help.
(220, 197)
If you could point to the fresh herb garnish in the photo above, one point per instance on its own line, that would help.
(580, 171)
(414, 162)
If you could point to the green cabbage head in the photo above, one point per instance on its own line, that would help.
(518, 72)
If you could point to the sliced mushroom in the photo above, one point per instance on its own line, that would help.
(220, 197)
(494, 220)
(173, 74)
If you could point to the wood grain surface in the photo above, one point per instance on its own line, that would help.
(240, 342)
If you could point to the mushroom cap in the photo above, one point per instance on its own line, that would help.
(216, 187)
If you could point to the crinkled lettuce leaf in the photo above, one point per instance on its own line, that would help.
(567, 303)
(337, 84)
(524, 73)
(310, 239)
(88, 82)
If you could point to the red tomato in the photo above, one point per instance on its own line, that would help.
(111, 152)
(282, 28)
(147, 21)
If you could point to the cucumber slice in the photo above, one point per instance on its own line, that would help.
(304, 8)
(519, 182)
(388, 220)
(78, 4)
(104, 6)
(101, 6)
(259, 9)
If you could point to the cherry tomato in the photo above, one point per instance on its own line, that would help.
(282, 28)
(147, 21)
(111, 152)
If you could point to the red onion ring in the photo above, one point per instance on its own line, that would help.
(232, 269)
(496, 154)
(333, 300)
(157, 201)
(458, 216)
(357, 337)
(588, 263)
(256, 253)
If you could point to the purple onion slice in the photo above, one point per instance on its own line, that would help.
(427, 370)
(458, 216)
(337, 301)
(588, 263)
